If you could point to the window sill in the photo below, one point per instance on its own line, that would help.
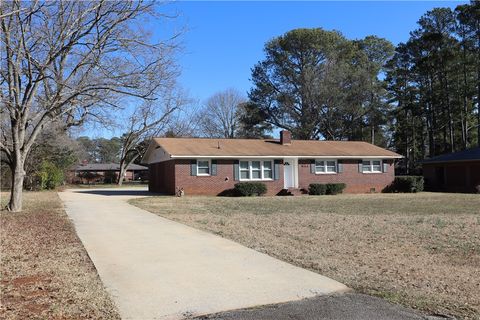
(203, 175)
(370, 172)
(320, 173)
(255, 180)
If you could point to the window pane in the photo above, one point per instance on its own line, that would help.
(331, 169)
(244, 175)
(267, 170)
(377, 166)
(366, 165)
(319, 166)
(256, 174)
(202, 164)
(267, 174)
(267, 165)
(203, 171)
(256, 165)
(244, 164)
(331, 163)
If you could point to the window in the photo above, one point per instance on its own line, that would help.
(244, 170)
(325, 166)
(371, 166)
(267, 170)
(203, 167)
(256, 170)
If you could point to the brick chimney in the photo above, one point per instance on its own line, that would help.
(285, 137)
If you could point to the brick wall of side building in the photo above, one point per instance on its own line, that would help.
(356, 181)
(162, 177)
(216, 185)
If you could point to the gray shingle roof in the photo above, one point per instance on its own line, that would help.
(106, 167)
(465, 155)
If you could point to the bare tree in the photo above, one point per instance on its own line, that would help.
(148, 120)
(69, 61)
(220, 114)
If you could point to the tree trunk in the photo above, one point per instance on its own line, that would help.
(16, 190)
(121, 174)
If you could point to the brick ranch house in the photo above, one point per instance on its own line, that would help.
(212, 166)
(96, 172)
(453, 172)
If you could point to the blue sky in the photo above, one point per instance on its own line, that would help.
(225, 39)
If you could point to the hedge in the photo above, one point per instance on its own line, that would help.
(247, 189)
(317, 189)
(406, 184)
(335, 188)
(329, 188)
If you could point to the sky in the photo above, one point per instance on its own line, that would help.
(225, 39)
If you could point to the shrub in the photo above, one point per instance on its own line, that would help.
(247, 189)
(317, 189)
(50, 176)
(407, 184)
(110, 177)
(335, 188)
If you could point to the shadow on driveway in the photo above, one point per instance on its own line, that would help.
(133, 193)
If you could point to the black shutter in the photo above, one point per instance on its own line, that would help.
(339, 167)
(236, 170)
(276, 169)
(312, 166)
(193, 167)
(213, 169)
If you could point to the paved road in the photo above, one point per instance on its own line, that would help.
(155, 268)
(347, 306)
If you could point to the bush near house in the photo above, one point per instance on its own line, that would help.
(335, 188)
(406, 184)
(247, 189)
(317, 189)
(329, 188)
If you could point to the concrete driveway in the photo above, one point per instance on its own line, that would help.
(155, 268)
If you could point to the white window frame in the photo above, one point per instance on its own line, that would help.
(371, 166)
(209, 168)
(262, 169)
(325, 166)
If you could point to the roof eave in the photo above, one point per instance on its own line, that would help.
(284, 156)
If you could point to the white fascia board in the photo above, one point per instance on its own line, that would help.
(278, 156)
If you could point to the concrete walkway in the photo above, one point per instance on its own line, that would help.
(155, 268)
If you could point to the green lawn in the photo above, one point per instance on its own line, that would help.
(421, 250)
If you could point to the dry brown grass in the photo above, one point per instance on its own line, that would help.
(45, 270)
(420, 250)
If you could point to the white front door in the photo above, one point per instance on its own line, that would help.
(288, 173)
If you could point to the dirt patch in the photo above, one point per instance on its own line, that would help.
(420, 250)
(45, 271)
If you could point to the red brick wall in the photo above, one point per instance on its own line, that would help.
(356, 182)
(215, 185)
(162, 177)
(458, 176)
(165, 177)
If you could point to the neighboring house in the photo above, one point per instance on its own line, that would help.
(105, 172)
(213, 166)
(454, 172)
